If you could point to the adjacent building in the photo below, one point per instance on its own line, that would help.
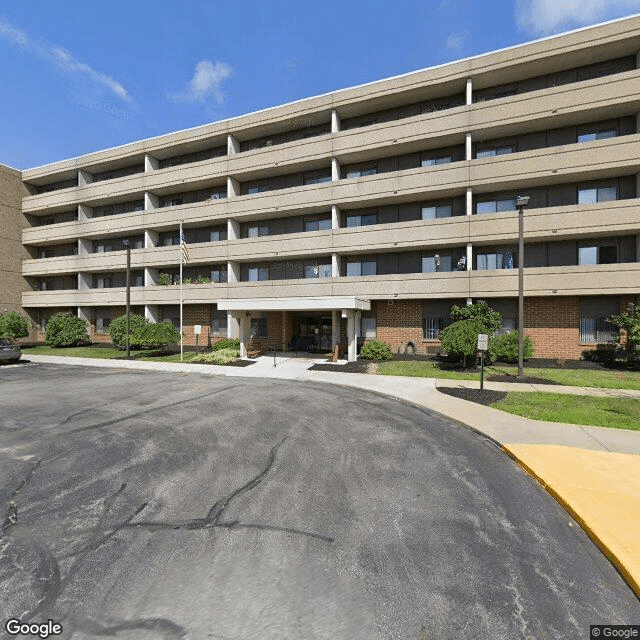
(362, 213)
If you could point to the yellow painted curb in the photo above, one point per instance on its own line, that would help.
(600, 489)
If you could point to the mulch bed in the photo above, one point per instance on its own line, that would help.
(480, 396)
(235, 363)
(360, 366)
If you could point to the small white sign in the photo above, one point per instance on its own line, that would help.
(197, 329)
(483, 342)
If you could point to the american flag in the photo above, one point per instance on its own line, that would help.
(183, 247)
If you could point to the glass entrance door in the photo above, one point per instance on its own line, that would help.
(315, 328)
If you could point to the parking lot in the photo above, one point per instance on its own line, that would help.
(162, 505)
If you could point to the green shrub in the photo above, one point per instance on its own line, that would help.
(164, 279)
(222, 356)
(13, 325)
(65, 330)
(487, 320)
(460, 339)
(203, 280)
(376, 350)
(155, 335)
(505, 347)
(227, 343)
(118, 329)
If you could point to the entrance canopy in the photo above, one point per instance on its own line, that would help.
(324, 303)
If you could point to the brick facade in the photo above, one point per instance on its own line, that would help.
(280, 328)
(399, 321)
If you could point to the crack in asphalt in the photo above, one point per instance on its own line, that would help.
(218, 508)
(108, 423)
(212, 519)
(48, 571)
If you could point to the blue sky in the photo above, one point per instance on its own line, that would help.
(81, 76)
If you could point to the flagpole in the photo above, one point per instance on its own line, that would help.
(181, 260)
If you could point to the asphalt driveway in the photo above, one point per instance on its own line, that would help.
(149, 505)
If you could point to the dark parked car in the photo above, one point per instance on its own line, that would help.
(9, 350)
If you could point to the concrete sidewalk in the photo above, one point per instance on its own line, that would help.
(594, 472)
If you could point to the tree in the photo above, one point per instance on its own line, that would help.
(13, 325)
(461, 338)
(65, 330)
(630, 323)
(155, 335)
(486, 318)
(118, 329)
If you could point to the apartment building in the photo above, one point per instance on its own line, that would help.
(366, 212)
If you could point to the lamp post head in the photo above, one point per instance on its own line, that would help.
(125, 244)
(522, 201)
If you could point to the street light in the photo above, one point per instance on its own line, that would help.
(521, 203)
(125, 245)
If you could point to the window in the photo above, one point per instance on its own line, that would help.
(218, 195)
(169, 239)
(214, 236)
(258, 273)
(103, 248)
(256, 188)
(137, 279)
(218, 274)
(435, 263)
(258, 231)
(359, 172)
(436, 211)
(362, 219)
(102, 282)
(495, 151)
(598, 254)
(597, 330)
(316, 178)
(496, 206)
(595, 134)
(102, 324)
(432, 161)
(364, 268)
(317, 225)
(219, 323)
(432, 326)
(597, 194)
(260, 326)
(316, 269)
(496, 260)
(368, 327)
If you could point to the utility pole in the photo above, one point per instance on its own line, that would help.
(521, 203)
(125, 244)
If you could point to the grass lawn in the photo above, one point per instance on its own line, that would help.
(100, 352)
(619, 413)
(604, 379)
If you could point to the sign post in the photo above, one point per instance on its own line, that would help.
(483, 345)
(197, 330)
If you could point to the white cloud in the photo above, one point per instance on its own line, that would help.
(61, 58)
(205, 83)
(543, 17)
(456, 40)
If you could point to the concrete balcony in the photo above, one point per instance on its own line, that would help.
(603, 279)
(620, 217)
(440, 128)
(210, 212)
(579, 102)
(402, 235)
(554, 165)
